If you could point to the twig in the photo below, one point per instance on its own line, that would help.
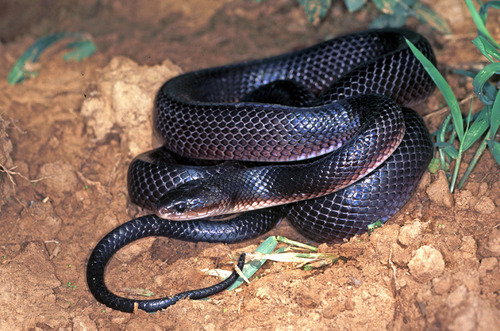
(100, 188)
(444, 109)
(393, 267)
(239, 272)
(10, 173)
(11, 122)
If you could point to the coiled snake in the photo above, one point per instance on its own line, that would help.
(330, 118)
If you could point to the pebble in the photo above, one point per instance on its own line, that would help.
(485, 205)
(492, 247)
(427, 263)
(410, 233)
(439, 191)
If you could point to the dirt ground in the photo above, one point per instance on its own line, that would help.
(68, 136)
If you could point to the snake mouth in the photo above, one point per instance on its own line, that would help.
(192, 200)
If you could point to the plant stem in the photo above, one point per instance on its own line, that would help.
(458, 161)
(473, 162)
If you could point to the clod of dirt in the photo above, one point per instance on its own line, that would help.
(29, 272)
(122, 101)
(439, 191)
(83, 323)
(6, 186)
(410, 234)
(60, 178)
(456, 297)
(468, 312)
(441, 285)
(492, 247)
(130, 252)
(488, 264)
(485, 205)
(465, 199)
(426, 264)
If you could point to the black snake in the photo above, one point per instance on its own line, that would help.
(337, 109)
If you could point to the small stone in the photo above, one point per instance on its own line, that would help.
(468, 245)
(485, 205)
(465, 199)
(492, 247)
(83, 323)
(410, 233)
(483, 188)
(439, 191)
(427, 263)
(400, 256)
(441, 285)
(308, 300)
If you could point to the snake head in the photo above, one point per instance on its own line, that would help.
(191, 200)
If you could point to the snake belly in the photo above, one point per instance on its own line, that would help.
(368, 150)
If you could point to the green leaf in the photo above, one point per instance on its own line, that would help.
(353, 5)
(385, 6)
(82, 50)
(485, 47)
(495, 149)
(19, 71)
(495, 116)
(251, 268)
(466, 73)
(445, 89)
(477, 128)
(480, 22)
(482, 78)
(315, 9)
(433, 166)
(398, 7)
(489, 90)
(483, 10)
(429, 16)
(388, 21)
(440, 133)
(447, 148)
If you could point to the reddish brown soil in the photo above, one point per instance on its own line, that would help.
(432, 266)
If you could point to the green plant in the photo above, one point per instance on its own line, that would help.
(483, 124)
(82, 47)
(394, 12)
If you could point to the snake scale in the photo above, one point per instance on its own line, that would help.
(321, 136)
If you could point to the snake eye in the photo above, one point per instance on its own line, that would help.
(180, 207)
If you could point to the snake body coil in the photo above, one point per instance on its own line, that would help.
(337, 109)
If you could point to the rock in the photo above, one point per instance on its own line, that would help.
(83, 323)
(464, 199)
(427, 263)
(439, 191)
(492, 247)
(442, 285)
(487, 264)
(123, 99)
(485, 205)
(410, 233)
